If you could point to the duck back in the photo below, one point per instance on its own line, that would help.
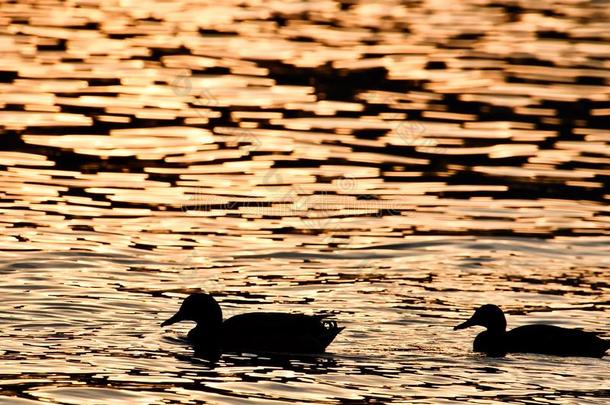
(555, 340)
(277, 332)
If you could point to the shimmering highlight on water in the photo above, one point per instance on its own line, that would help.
(394, 163)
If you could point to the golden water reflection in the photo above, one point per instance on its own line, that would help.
(394, 163)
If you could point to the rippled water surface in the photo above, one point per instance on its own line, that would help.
(392, 163)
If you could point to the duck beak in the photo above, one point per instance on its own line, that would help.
(464, 325)
(176, 318)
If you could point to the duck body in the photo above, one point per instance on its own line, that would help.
(536, 338)
(256, 331)
(542, 339)
(272, 331)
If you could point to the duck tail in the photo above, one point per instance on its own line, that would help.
(330, 330)
(331, 326)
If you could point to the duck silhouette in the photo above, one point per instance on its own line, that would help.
(253, 332)
(536, 338)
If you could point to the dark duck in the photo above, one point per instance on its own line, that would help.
(536, 338)
(255, 331)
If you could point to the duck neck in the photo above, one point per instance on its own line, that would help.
(210, 323)
(204, 334)
(210, 316)
(498, 326)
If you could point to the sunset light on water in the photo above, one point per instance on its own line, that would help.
(383, 167)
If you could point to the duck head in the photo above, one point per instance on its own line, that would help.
(198, 307)
(489, 316)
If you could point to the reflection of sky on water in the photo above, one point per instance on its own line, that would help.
(394, 163)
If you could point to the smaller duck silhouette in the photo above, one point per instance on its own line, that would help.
(253, 332)
(537, 338)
